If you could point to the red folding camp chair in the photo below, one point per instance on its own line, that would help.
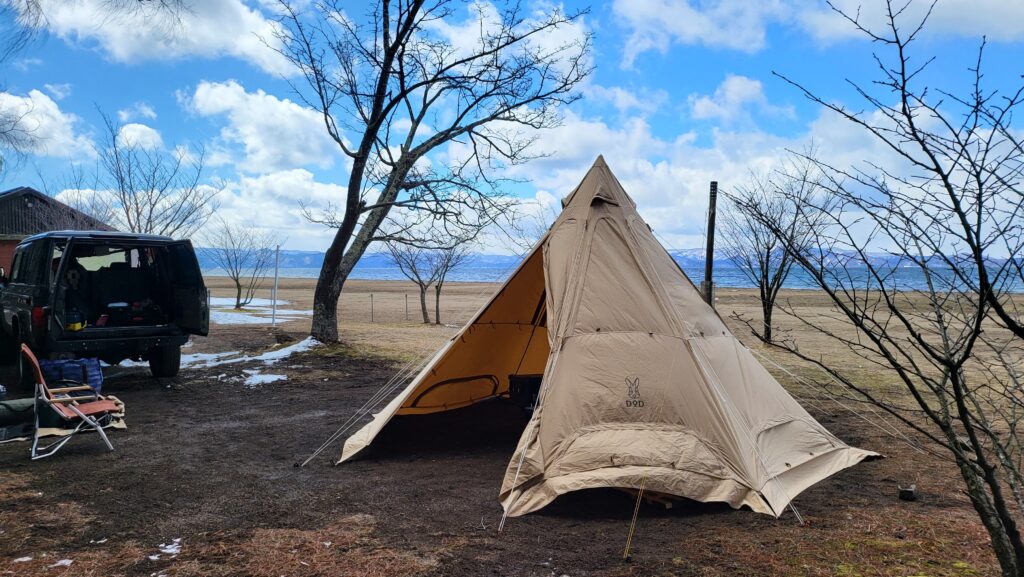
(77, 403)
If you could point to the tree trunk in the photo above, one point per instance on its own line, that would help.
(1009, 564)
(325, 297)
(339, 262)
(437, 304)
(238, 294)
(767, 308)
(423, 304)
(325, 313)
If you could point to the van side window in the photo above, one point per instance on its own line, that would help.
(55, 256)
(19, 256)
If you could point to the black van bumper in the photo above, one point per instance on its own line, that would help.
(117, 348)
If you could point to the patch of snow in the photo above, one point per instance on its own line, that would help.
(172, 548)
(154, 557)
(128, 363)
(230, 302)
(206, 359)
(62, 563)
(103, 540)
(257, 378)
(209, 360)
(302, 346)
(226, 317)
(280, 312)
(258, 312)
(22, 559)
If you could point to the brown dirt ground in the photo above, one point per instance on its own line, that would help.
(209, 461)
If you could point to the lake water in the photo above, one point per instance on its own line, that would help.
(725, 276)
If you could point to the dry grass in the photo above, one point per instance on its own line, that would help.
(347, 548)
(36, 526)
(30, 519)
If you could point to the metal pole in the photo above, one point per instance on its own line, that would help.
(709, 257)
(273, 298)
(371, 307)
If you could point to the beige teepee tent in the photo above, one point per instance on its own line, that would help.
(642, 381)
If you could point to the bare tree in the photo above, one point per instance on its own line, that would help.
(394, 85)
(951, 211)
(415, 264)
(17, 135)
(783, 197)
(528, 223)
(20, 21)
(244, 254)
(155, 191)
(443, 261)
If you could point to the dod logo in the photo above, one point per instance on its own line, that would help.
(633, 392)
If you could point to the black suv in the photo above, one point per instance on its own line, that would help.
(110, 295)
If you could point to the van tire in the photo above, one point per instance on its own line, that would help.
(164, 362)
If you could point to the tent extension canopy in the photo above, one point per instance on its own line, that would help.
(642, 380)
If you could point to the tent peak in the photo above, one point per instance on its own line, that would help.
(600, 161)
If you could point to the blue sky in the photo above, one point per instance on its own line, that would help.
(682, 93)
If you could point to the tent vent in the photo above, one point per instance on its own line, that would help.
(602, 195)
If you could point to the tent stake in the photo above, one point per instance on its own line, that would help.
(632, 526)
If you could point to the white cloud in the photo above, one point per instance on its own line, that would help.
(483, 21)
(627, 99)
(732, 100)
(136, 111)
(139, 136)
(999, 20)
(271, 202)
(24, 64)
(742, 24)
(669, 178)
(58, 91)
(209, 29)
(733, 24)
(53, 132)
(276, 134)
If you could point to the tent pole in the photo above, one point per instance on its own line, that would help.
(273, 298)
(632, 526)
(709, 258)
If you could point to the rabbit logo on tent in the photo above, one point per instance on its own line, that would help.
(633, 392)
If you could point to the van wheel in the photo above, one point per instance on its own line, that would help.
(164, 362)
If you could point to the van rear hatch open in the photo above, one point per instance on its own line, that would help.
(113, 288)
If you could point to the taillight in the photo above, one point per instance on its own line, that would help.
(38, 319)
